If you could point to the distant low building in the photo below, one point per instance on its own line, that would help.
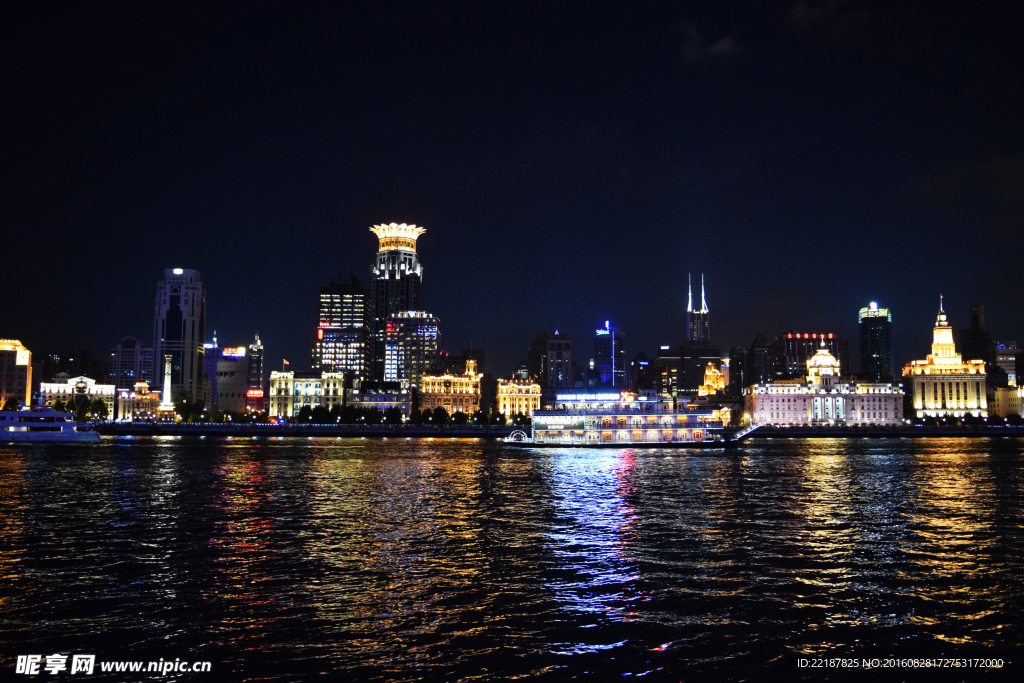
(823, 398)
(945, 385)
(454, 393)
(1006, 401)
(290, 391)
(78, 388)
(382, 396)
(518, 396)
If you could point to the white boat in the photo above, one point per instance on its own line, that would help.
(43, 423)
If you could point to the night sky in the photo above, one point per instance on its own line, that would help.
(571, 164)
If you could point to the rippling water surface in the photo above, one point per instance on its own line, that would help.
(467, 560)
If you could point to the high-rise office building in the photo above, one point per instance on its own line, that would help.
(610, 357)
(411, 340)
(179, 328)
(875, 343)
(976, 341)
(697, 327)
(396, 285)
(536, 358)
(256, 365)
(557, 362)
(131, 361)
(1006, 360)
(342, 334)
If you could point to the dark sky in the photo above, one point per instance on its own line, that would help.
(571, 164)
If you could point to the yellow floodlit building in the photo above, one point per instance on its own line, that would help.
(714, 382)
(944, 383)
(15, 372)
(137, 404)
(454, 393)
(518, 396)
(290, 391)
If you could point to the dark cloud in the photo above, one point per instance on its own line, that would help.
(695, 48)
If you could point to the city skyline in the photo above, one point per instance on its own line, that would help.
(746, 145)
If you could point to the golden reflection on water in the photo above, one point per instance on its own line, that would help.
(371, 556)
(13, 466)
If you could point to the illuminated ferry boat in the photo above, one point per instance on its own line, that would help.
(624, 420)
(43, 424)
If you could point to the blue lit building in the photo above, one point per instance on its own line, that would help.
(609, 357)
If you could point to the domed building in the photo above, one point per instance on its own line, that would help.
(824, 397)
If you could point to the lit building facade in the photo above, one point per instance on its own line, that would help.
(411, 341)
(822, 397)
(137, 404)
(15, 372)
(396, 286)
(179, 328)
(80, 388)
(698, 328)
(1006, 401)
(454, 393)
(290, 391)
(390, 396)
(131, 361)
(343, 334)
(518, 396)
(945, 385)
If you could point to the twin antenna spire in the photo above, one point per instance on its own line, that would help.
(689, 299)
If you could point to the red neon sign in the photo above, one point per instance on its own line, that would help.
(254, 393)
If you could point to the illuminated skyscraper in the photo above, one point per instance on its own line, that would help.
(410, 345)
(610, 357)
(396, 285)
(342, 333)
(179, 328)
(875, 342)
(697, 329)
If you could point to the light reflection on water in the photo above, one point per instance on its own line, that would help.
(465, 560)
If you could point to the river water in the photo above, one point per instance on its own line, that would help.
(466, 560)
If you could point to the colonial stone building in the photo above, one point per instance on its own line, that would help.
(518, 396)
(944, 383)
(80, 388)
(454, 393)
(823, 398)
(289, 391)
